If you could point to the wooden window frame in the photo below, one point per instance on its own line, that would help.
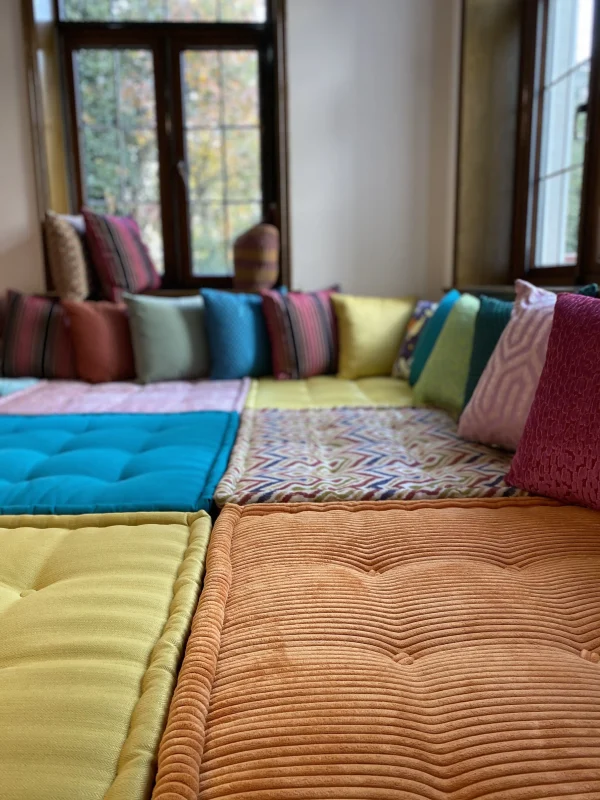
(166, 40)
(528, 155)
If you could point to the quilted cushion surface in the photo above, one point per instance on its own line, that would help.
(125, 397)
(102, 463)
(445, 650)
(327, 391)
(330, 454)
(94, 615)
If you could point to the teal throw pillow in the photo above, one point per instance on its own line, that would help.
(430, 334)
(444, 378)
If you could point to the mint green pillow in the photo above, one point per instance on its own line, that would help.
(169, 337)
(443, 380)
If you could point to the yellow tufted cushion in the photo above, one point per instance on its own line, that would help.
(370, 333)
(327, 391)
(94, 614)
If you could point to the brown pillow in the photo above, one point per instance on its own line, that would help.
(66, 257)
(101, 341)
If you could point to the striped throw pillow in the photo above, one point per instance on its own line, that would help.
(119, 254)
(302, 330)
(37, 340)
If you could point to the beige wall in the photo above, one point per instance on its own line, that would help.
(373, 88)
(21, 264)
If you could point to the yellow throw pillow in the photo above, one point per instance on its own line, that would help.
(370, 333)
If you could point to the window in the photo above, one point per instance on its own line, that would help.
(557, 155)
(176, 118)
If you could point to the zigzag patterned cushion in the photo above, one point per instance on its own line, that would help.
(303, 334)
(324, 455)
(119, 254)
(497, 412)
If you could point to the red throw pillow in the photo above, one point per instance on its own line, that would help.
(302, 330)
(101, 341)
(121, 258)
(559, 452)
(37, 340)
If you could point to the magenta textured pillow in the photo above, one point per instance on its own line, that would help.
(121, 258)
(37, 339)
(559, 452)
(498, 409)
(302, 330)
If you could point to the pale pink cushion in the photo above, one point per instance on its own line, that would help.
(498, 409)
(559, 452)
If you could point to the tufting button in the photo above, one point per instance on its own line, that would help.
(589, 655)
(373, 572)
(27, 592)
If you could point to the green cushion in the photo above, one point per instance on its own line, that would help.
(491, 321)
(444, 378)
(169, 337)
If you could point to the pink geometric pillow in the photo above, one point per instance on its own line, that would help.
(498, 409)
(559, 452)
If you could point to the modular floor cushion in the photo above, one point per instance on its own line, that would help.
(167, 397)
(327, 391)
(325, 455)
(10, 386)
(444, 650)
(94, 615)
(118, 462)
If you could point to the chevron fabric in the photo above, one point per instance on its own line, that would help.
(324, 455)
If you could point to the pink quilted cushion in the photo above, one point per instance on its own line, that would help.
(559, 452)
(498, 409)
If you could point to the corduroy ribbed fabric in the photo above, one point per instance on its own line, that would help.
(444, 650)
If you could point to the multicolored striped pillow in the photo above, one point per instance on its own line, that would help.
(303, 334)
(119, 254)
(37, 340)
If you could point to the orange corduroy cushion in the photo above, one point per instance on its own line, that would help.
(101, 341)
(445, 650)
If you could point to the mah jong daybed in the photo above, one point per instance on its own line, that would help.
(94, 615)
(447, 650)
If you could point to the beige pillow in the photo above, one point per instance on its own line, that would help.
(66, 257)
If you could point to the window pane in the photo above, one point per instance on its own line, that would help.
(209, 256)
(240, 87)
(570, 25)
(166, 10)
(116, 117)
(558, 219)
(204, 155)
(222, 136)
(202, 88)
(565, 121)
(565, 97)
(243, 164)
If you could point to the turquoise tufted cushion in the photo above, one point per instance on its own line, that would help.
(113, 462)
(237, 335)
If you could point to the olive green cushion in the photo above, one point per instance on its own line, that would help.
(169, 337)
(444, 378)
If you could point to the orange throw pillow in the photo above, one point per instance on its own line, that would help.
(101, 341)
